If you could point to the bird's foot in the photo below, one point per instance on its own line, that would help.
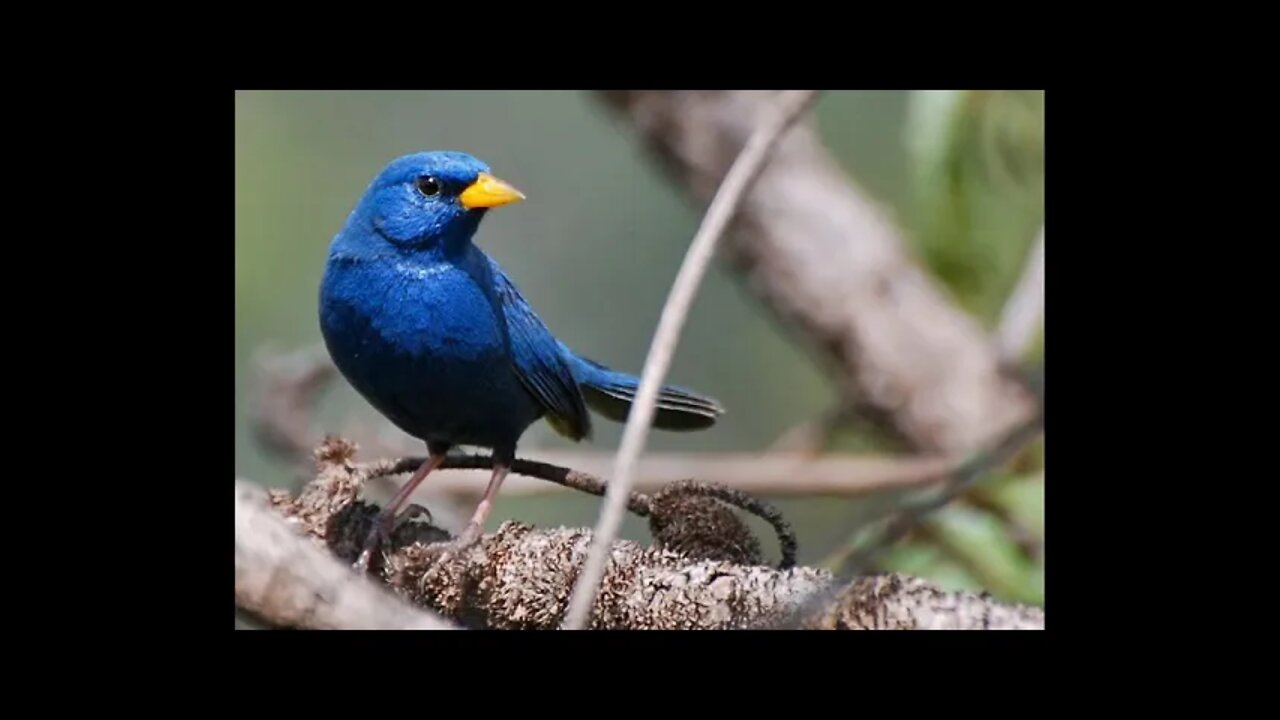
(361, 564)
(383, 527)
(388, 519)
(413, 511)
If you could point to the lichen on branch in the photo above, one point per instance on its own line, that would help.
(521, 577)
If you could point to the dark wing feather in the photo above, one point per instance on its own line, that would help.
(538, 363)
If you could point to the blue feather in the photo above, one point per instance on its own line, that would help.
(432, 333)
(611, 393)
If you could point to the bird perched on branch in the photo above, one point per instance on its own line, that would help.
(431, 332)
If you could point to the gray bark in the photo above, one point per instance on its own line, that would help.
(830, 264)
(521, 577)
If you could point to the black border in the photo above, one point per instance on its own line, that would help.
(170, 314)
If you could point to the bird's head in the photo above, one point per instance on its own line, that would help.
(430, 200)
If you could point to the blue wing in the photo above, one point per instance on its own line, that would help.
(611, 393)
(539, 364)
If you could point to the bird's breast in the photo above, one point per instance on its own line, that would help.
(426, 312)
(427, 348)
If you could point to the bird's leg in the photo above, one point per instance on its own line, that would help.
(385, 520)
(472, 533)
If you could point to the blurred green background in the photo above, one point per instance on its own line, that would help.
(596, 246)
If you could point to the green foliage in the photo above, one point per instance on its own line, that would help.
(962, 547)
(977, 171)
(982, 544)
(927, 560)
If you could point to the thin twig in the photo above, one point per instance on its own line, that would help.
(771, 474)
(1024, 310)
(962, 478)
(828, 262)
(638, 503)
(563, 476)
(739, 178)
(908, 519)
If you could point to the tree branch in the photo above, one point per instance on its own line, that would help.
(521, 578)
(775, 119)
(826, 260)
(907, 519)
(961, 478)
(897, 602)
(662, 508)
(284, 580)
(1024, 310)
(771, 474)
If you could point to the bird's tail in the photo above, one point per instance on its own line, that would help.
(611, 393)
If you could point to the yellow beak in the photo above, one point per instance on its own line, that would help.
(489, 192)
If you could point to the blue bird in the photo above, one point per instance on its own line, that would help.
(429, 330)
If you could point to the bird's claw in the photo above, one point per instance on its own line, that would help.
(361, 565)
(375, 537)
(366, 553)
(383, 529)
(413, 511)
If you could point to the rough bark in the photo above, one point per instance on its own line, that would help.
(521, 578)
(897, 602)
(283, 580)
(830, 264)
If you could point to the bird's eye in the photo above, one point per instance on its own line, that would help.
(428, 186)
